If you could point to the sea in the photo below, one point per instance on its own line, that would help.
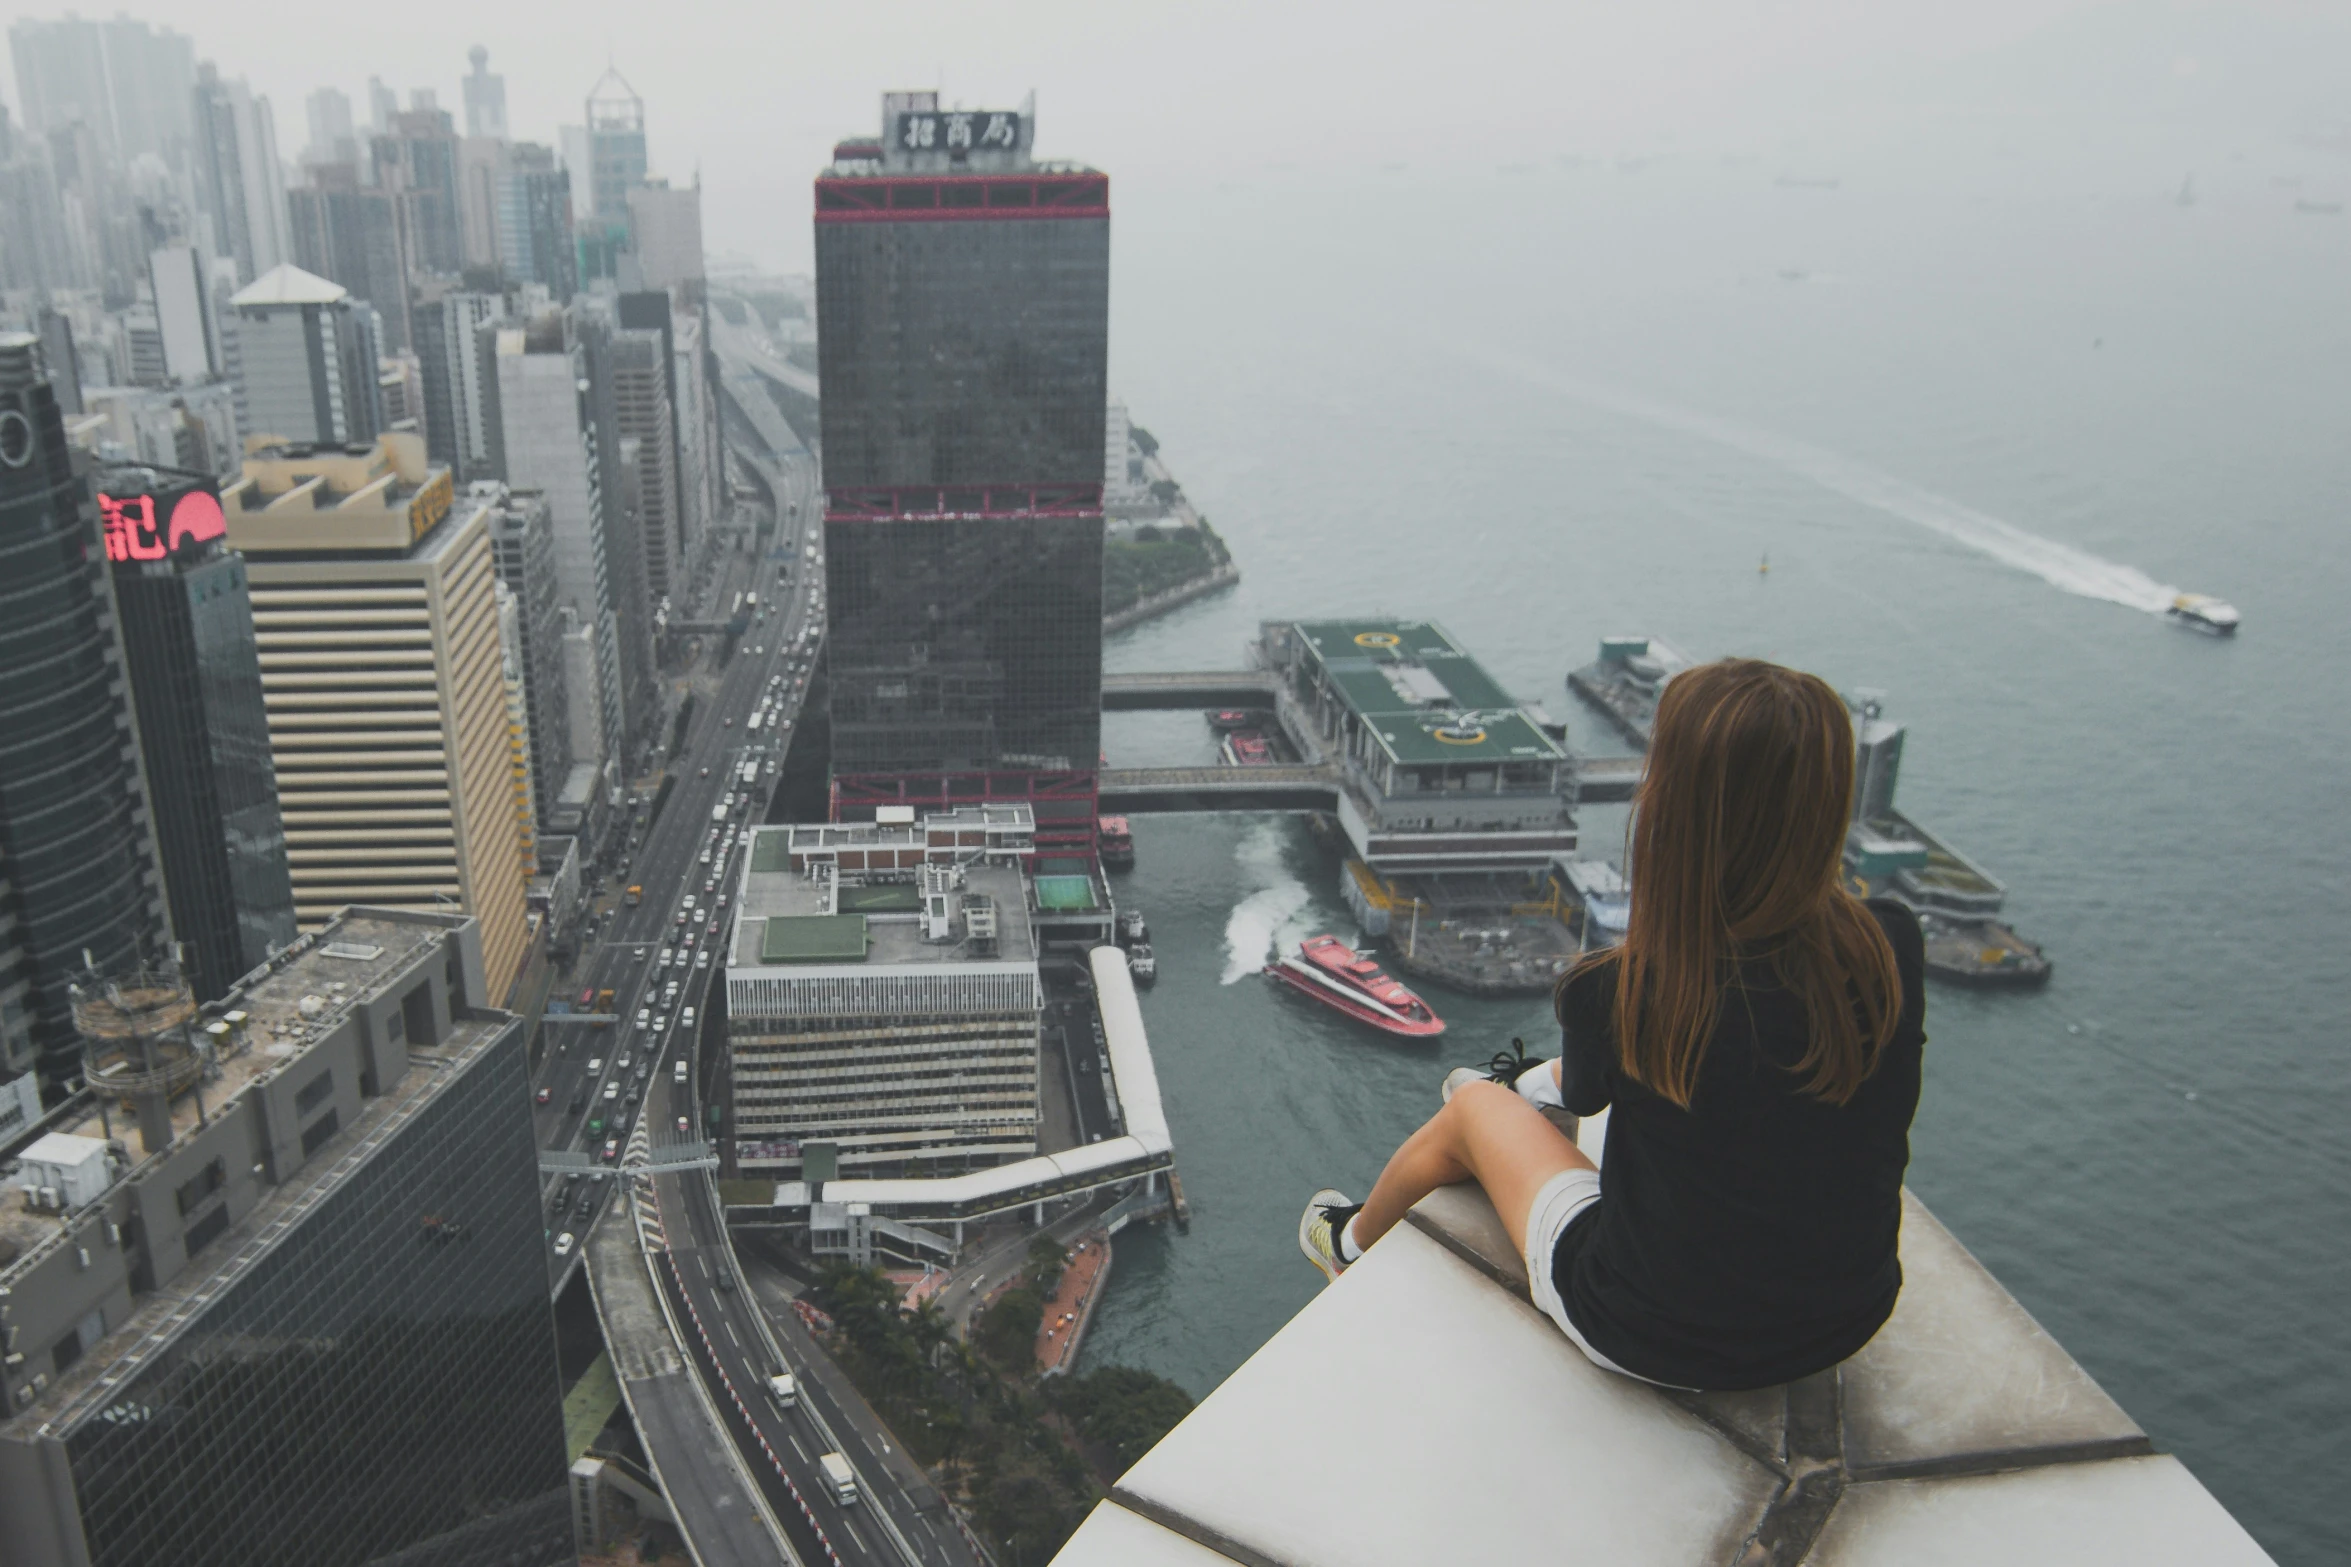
(1984, 405)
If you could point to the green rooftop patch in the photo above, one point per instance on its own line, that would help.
(771, 849)
(813, 938)
(1066, 894)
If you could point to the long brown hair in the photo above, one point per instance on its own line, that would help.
(1736, 844)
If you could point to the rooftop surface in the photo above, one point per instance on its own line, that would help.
(1425, 697)
(334, 972)
(288, 284)
(1963, 1434)
(785, 918)
(376, 950)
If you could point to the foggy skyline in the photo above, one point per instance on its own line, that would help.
(753, 100)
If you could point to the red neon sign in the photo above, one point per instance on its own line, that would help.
(132, 532)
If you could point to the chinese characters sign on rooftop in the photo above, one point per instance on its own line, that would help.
(149, 527)
(958, 130)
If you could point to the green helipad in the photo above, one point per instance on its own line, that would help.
(1421, 695)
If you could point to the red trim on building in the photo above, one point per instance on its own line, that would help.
(956, 198)
(930, 503)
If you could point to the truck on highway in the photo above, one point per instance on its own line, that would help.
(718, 813)
(636, 896)
(840, 1477)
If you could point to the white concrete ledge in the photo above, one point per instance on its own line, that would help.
(1421, 1410)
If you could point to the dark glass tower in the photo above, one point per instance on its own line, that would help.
(963, 297)
(77, 869)
(366, 1392)
(187, 633)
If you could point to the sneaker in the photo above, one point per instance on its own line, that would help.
(1327, 1213)
(1503, 1068)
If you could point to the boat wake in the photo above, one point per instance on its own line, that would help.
(2063, 566)
(1272, 916)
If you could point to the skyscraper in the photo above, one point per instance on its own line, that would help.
(522, 542)
(963, 322)
(357, 236)
(310, 1324)
(309, 359)
(615, 149)
(665, 230)
(485, 97)
(127, 82)
(640, 398)
(456, 410)
(535, 221)
(183, 314)
(78, 872)
(544, 438)
(187, 631)
(240, 182)
(375, 610)
(417, 158)
(331, 139)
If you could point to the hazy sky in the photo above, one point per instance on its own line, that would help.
(752, 96)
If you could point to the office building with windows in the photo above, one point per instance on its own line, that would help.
(963, 319)
(79, 881)
(883, 998)
(357, 236)
(239, 180)
(545, 436)
(375, 611)
(447, 328)
(187, 632)
(522, 542)
(309, 359)
(304, 1320)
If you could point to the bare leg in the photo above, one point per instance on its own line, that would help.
(1485, 1133)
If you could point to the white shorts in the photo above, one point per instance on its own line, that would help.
(1555, 1207)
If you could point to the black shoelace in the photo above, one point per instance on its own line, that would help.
(1506, 1066)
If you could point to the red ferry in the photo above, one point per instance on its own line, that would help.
(1331, 972)
(1248, 749)
(1117, 841)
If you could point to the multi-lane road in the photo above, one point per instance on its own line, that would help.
(595, 1082)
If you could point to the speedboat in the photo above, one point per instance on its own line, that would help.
(1226, 719)
(1333, 973)
(2205, 614)
(1131, 928)
(1142, 967)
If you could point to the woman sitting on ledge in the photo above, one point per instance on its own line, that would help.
(1758, 1038)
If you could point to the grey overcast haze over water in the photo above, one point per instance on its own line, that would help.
(1983, 409)
(1991, 330)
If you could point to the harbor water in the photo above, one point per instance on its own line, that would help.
(1981, 413)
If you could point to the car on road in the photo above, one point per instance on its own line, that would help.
(684, 1125)
(611, 1149)
(641, 951)
(722, 903)
(546, 1094)
(702, 958)
(682, 912)
(579, 1100)
(563, 1244)
(730, 723)
(622, 1064)
(706, 772)
(595, 1065)
(725, 1279)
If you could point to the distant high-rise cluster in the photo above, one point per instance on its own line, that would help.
(443, 398)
